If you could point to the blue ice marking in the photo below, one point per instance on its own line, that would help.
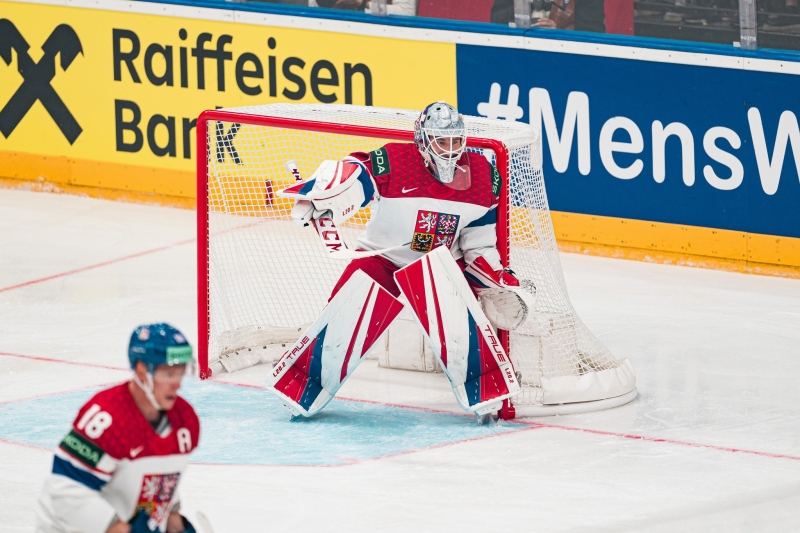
(242, 425)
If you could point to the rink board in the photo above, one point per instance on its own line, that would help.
(245, 425)
(736, 208)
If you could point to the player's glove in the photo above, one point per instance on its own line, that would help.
(341, 187)
(506, 300)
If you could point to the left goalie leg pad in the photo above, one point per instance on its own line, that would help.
(458, 331)
(308, 375)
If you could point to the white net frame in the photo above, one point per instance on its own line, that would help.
(262, 280)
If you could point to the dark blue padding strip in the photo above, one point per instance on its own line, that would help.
(489, 218)
(475, 280)
(307, 187)
(62, 467)
(366, 184)
(491, 29)
(313, 385)
(473, 383)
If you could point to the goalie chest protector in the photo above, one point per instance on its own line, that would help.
(411, 206)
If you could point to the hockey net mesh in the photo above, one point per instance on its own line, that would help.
(269, 279)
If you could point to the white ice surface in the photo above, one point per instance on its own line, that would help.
(717, 357)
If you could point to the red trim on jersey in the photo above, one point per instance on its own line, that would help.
(409, 177)
(130, 430)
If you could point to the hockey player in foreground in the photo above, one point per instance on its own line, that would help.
(118, 469)
(433, 222)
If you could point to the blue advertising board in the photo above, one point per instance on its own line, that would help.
(658, 141)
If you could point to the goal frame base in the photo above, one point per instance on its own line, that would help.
(533, 411)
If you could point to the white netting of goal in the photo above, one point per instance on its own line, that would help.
(268, 279)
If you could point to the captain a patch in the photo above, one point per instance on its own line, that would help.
(433, 230)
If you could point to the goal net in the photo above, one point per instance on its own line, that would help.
(262, 279)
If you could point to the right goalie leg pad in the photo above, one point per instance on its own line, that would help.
(308, 375)
(458, 331)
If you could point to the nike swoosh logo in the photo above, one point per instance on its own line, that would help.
(136, 451)
(409, 190)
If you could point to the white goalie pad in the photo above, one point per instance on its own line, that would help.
(458, 331)
(308, 375)
(341, 187)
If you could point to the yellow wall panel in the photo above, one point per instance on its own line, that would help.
(121, 84)
(674, 243)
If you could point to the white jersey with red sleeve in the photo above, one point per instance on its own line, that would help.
(113, 463)
(411, 206)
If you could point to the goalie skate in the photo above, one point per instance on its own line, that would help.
(459, 333)
(308, 375)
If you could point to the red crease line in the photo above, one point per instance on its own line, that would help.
(24, 445)
(660, 440)
(98, 265)
(51, 360)
(628, 436)
(58, 393)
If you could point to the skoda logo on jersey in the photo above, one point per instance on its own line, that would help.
(380, 162)
(62, 42)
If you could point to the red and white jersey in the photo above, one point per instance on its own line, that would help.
(113, 463)
(411, 206)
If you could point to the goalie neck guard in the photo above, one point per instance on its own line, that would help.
(440, 135)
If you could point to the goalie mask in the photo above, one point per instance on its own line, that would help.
(441, 138)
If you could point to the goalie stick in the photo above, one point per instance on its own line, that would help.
(326, 228)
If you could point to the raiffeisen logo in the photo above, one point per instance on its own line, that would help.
(37, 77)
(717, 141)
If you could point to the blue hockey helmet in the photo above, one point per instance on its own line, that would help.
(159, 344)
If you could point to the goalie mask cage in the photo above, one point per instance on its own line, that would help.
(262, 279)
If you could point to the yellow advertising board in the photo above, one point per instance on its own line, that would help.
(109, 99)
